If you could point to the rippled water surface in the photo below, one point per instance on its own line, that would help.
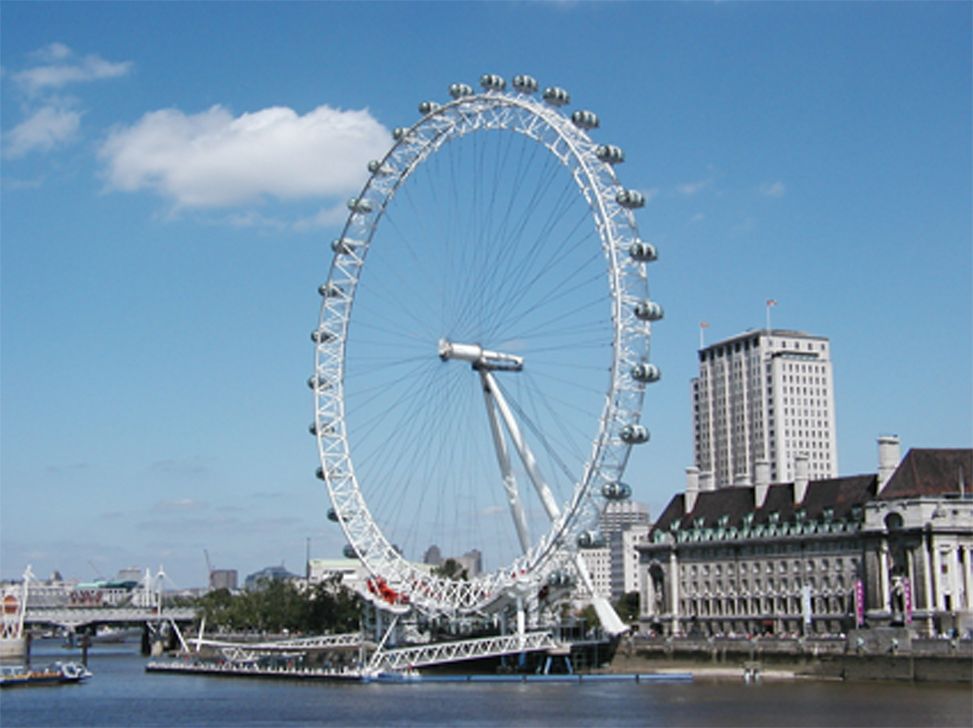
(121, 693)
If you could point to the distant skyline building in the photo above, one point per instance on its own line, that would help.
(223, 579)
(764, 396)
(258, 579)
(614, 566)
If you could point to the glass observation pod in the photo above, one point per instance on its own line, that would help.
(376, 167)
(590, 540)
(459, 90)
(330, 290)
(525, 84)
(642, 251)
(556, 96)
(616, 491)
(314, 430)
(630, 199)
(399, 132)
(492, 82)
(333, 515)
(427, 107)
(648, 311)
(610, 153)
(316, 381)
(357, 204)
(344, 245)
(349, 552)
(634, 434)
(319, 336)
(560, 579)
(646, 373)
(319, 473)
(585, 119)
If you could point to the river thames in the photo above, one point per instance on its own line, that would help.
(121, 693)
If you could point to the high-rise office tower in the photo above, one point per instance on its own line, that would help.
(768, 396)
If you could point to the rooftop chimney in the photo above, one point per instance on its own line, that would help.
(707, 481)
(888, 458)
(692, 488)
(761, 482)
(800, 477)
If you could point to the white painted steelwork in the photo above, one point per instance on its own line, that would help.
(404, 658)
(611, 206)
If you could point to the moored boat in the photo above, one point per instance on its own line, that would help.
(58, 673)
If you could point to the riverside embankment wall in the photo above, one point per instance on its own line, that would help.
(875, 659)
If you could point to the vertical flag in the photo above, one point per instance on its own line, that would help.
(771, 302)
(859, 603)
(703, 325)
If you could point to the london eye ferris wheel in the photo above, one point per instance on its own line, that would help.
(482, 349)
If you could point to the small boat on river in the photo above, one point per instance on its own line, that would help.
(58, 673)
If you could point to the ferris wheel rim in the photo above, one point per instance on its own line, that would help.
(464, 115)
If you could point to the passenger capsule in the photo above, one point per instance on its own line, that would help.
(492, 82)
(610, 153)
(399, 132)
(330, 290)
(319, 336)
(319, 473)
(344, 246)
(646, 373)
(358, 204)
(585, 119)
(376, 167)
(459, 90)
(333, 515)
(616, 491)
(427, 107)
(642, 251)
(349, 552)
(630, 199)
(648, 311)
(634, 434)
(556, 96)
(525, 84)
(560, 579)
(590, 540)
(317, 381)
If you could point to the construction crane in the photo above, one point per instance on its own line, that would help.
(209, 570)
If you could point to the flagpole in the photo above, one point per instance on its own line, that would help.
(771, 302)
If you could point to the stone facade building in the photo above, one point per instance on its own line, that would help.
(816, 556)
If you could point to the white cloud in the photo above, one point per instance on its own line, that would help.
(46, 128)
(60, 67)
(213, 159)
(691, 188)
(773, 189)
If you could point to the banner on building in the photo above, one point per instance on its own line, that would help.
(907, 599)
(859, 603)
(806, 603)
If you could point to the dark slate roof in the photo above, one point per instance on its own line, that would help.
(921, 473)
(838, 494)
(931, 472)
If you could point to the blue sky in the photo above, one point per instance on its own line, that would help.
(172, 175)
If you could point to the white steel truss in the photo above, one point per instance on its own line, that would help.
(615, 223)
(404, 658)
